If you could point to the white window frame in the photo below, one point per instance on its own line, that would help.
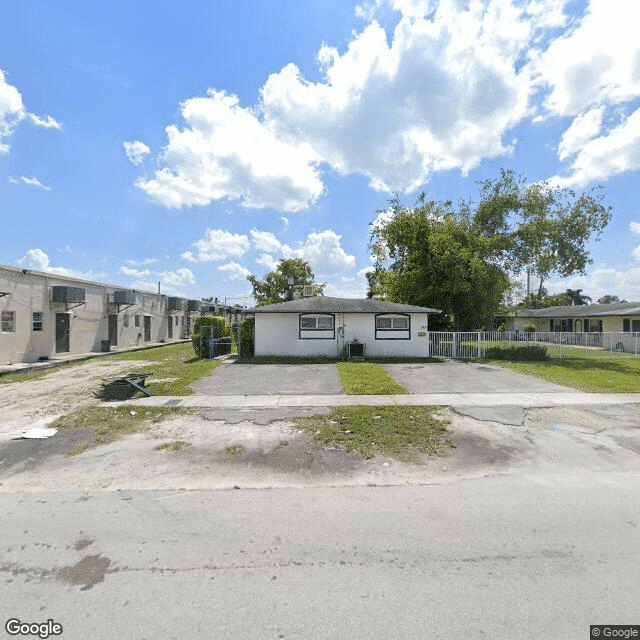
(309, 326)
(393, 329)
(37, 322)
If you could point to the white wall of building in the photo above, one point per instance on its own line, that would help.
(26, 292)
(278, 334)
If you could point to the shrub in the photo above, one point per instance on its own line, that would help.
(502, 327)
(530, 327)
(208, 327)
(245, 327)
(518, 353)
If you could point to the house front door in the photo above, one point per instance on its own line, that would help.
(63, 330)
(147, 328)
(113, 330)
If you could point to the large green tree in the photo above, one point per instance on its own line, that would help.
(430, 257)
(280, 285)
(459, 258)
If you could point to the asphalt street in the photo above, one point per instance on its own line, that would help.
(534, 557)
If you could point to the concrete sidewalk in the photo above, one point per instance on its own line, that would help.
(524, 400)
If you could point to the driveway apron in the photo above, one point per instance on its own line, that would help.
(270, 379)
(461, 377)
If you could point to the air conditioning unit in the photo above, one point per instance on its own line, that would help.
(124, 296)
(356, 350)
(307, 292)
(74, 295)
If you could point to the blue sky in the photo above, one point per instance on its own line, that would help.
(193, 143)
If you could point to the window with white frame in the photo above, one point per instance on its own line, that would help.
(37, 321)
(393, 327)
(316, 326)
(8, 321)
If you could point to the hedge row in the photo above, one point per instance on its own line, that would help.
(518, 353)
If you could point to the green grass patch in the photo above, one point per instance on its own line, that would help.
(235, 449)
(176, 445)
(108, 424)
(175, 364)
(367, 378)
(597, 374)
(396, 432)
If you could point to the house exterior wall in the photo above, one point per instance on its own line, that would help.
(278, 334)
(609, 324)
(26, 293)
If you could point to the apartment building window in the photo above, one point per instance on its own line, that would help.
(136, 320)
(38, 321)
(8, 321)
(125, 320)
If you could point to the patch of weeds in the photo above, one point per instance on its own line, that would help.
(234, 449)
(176, 445)
(396, 432)
(367, 378)
(109, 424)
(282, 443)
(174, 364)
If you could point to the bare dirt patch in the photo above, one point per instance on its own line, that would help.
(40, 402)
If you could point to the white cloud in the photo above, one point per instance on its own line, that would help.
(594, 63)
(234, 271)
(441, 92)
(135, 273)
(634, 227)
(616, 152)
(218, 244)
(38, 260)
(32, 182)
(177, 278)
(449, 87)
(12, 111)
(145, 261)
(267, 242)
(47, 123)
(601, 281)
(325, 253)
(227, 151)
(584, 128)
(268, 261)
(136, 151)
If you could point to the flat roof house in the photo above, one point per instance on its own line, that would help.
(44, 315)
(326, 326)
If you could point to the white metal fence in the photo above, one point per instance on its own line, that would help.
(465, 345)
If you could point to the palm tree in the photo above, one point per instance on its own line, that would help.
(577, 297)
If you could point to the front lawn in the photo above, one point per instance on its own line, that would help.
(395, 432)
(601, 373)
(367, 378)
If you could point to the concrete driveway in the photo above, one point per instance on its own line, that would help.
(460, 377)
(270, 379)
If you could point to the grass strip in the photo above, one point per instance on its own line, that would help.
(367, 378)
(175, 365)
(611, 374)
(109, 424)
(396, 432)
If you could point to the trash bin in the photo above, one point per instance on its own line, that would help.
(106, 345)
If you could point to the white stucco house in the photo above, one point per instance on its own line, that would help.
(47, 316)
(614, 317)
(325, 326)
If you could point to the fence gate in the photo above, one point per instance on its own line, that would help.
(446, 344)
